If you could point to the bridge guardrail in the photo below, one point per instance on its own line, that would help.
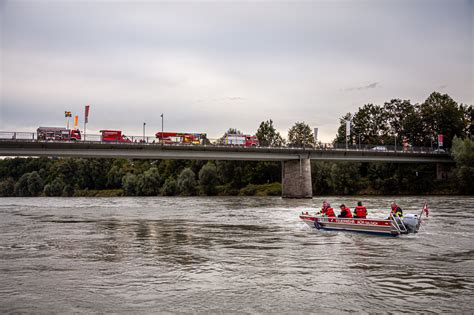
(215, 143)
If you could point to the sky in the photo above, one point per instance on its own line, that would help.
(209, 66)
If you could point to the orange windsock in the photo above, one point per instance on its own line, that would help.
(76, 121)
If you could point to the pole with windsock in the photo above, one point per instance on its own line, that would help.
(86, 119)
(67, 114)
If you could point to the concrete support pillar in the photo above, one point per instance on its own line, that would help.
(296, 179)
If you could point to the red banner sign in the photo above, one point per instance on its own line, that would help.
(86, 116)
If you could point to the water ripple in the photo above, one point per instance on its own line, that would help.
(227, 255)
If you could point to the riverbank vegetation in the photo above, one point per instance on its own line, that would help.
(371, 124)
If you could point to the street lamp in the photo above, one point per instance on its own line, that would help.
(162, 128)
(348, 130)
(144, 124)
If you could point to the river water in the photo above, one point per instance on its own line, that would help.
(228, 255)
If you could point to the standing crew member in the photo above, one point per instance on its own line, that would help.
(345, 212)
(360, 211)
(396, 210)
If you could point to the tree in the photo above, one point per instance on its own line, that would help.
(114, 176)
(300, 135)
(468, 117)
(268, 136)
(7, 187)
(68, 191)
(208, 179)
(440, 114)
(129, 184)
(148, 183)
(402, 120)
(341, 131)
(186, 183)
(463, 153)
(21, 186)
(320, 174)
(35, 184)
(344, 177)
(55, 188)
(169, 187)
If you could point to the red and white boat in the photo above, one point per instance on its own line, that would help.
(410, 223)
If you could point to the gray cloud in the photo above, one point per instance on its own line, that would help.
(364, 87)
(210, 66)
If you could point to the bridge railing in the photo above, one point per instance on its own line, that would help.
(216, 142)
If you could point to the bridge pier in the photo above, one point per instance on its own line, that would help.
(296, 179)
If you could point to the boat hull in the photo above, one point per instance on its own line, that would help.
(375, 226)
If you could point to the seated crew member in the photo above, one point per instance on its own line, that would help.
(327, 210)
(345, 212)
(360, 211)
(396, 210)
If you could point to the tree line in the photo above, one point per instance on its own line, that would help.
(373, 124)
(399, 119)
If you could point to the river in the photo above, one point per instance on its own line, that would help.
(228, 255)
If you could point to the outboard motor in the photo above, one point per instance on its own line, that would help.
(412, 222)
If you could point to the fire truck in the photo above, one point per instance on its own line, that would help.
(58, 134)
(113, 136)
(240, 140)
(181, 138)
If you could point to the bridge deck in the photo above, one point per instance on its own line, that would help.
(211, 152)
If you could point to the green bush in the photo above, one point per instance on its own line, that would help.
(148, 183)
(7, 187)
(129, 184)
(169, 187)
(208, 179)
(35, 184)
(186, 182)
(55, 188)
(21, 186)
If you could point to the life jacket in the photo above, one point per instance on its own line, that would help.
(360, 211)
(397, 212)
(329, 212)
(346, 213)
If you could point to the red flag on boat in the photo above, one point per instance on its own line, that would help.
(425, 209)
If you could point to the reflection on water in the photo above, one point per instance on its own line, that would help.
(227, 255)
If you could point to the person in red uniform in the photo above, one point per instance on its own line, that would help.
(360, 211)
(396, 210)
(345, 212)
(327, 210)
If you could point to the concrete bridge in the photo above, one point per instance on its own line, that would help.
(296, 166)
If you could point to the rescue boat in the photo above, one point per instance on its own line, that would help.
(394, 226)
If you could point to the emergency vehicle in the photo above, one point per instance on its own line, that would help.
(113, 136)
(181, 138)
(58, 134)
(240, 140)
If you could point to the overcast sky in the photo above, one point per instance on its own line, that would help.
(210, 66)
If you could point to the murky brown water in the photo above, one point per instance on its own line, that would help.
(227, 255)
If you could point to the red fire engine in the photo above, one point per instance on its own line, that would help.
(241, 140)
(181, 137)
(58, 134)
(113, 136)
